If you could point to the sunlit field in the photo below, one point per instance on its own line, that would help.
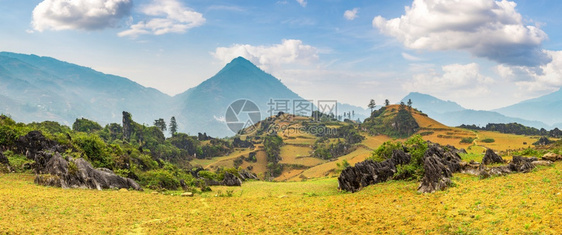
(517, 203)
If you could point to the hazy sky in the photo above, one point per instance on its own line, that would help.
(483, 54)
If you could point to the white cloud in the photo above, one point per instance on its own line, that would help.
(351, 14)
(485, 28)
(546, 78)
(461, 79)
(166, 16)
(270, 57)
(302, 2)
(410, 57)
(79, 14)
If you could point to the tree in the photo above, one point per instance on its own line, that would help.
(173, 126)
(410, 104)
(386, 102)
(161, 124)
(371, 105)
(352, 113)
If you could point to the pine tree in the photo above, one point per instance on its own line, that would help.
(371, 105)
(173, 126)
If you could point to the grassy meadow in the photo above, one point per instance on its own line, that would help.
(518, 203)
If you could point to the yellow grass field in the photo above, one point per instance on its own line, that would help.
(515, 204)
(505, 142)
(220, 161)
(327, 169)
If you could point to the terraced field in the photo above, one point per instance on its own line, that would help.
(298, 147)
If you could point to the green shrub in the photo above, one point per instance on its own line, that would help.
(408, 172)
(488, 140)
(72, 168)
(85, 125)
(96, 150)
(160, 179)
(18, 162)
(426, 133)
(384, 151)
(467, 140)
(207, 175)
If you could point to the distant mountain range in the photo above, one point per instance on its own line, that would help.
(42, 88)
(547, 109)
(34, 88)
(452, 114)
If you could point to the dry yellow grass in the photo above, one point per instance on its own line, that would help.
(514, 204)
(504, 142)
(328, 168)
(373, 142)
(221, 161)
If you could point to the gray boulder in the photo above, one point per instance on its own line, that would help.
(552, 157)
(246, 175)
(231, 180)
(437, 175)
(491, 157)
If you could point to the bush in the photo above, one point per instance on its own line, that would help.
(416, 147)
(408, 172)
(19, 163)
(488, 140)
(160, 179)
(467, 140)
(384, 151)
(426, 133)
(207, 175)
(96, 150)
(85, 125)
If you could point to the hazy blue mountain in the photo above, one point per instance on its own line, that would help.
(452, 114)
(43, 88)
(547, 109)
(431, 105)
(34, 88)
(203, 107)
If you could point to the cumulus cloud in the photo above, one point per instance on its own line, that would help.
(290, 51)
(79, 14)
(485, 28)
(302, 2)
(545, 78)
(351, 14)
(166, 16)
(462, 79)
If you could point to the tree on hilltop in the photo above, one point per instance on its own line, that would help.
(173, 126)
(371, 105)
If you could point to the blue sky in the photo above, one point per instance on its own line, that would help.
(483, 54)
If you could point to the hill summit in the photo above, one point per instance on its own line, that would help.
(203, 107)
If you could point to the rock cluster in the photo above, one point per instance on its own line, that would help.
(439, 164)
(54, 170)
(517, 164)
(370, 172)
